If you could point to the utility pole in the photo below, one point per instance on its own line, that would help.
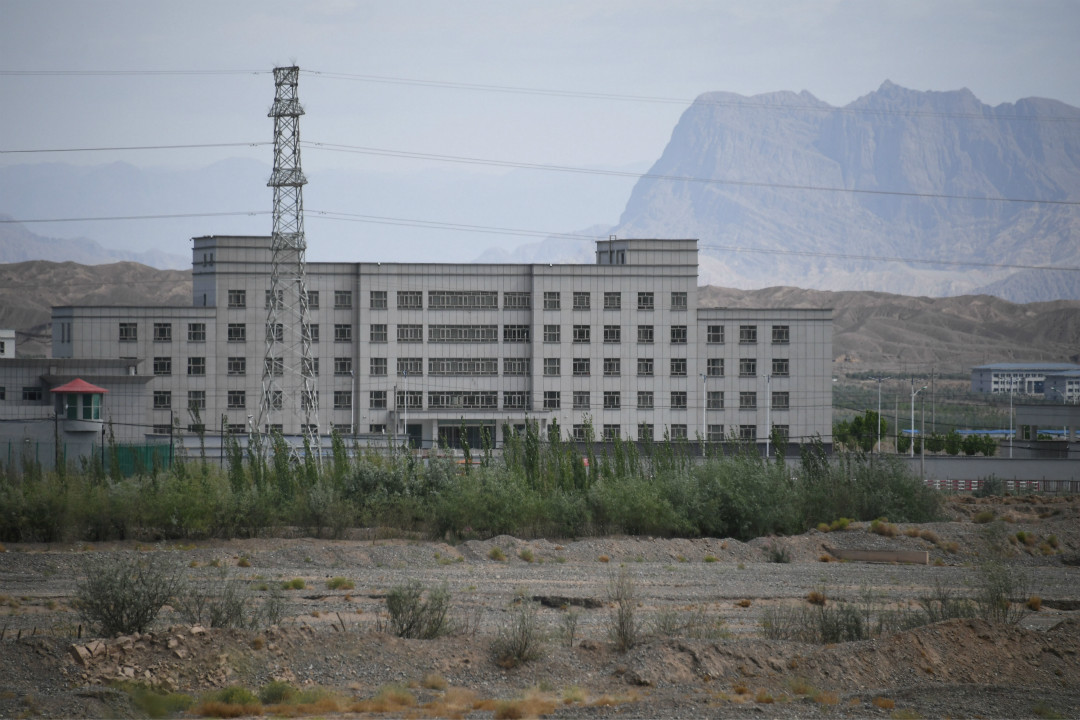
(704, 404)
(914, 392)
(879, 381)
(768, 414)
(289, 384)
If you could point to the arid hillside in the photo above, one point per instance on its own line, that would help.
(894, 333)
(871, 331)
(29, 290)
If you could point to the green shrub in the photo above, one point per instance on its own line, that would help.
(123, 593)
(623, 625)
(340, 583)
(413, 616)
(277, 692)
(777, 553)
(520, 640)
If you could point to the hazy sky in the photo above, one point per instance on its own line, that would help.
(838, 50)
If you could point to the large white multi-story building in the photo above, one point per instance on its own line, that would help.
(432, 350)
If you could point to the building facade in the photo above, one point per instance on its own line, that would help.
(1018, 378)
(432, 351)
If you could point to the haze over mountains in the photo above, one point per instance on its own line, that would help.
(764, 182)
(930, 148)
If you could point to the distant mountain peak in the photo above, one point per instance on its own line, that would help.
(788, 189)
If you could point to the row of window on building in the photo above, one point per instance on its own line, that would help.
(414, 333)
(478, 367)
(464, 300)
(484, 400)
(646, 432)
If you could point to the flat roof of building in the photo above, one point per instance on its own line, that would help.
(1036, 366)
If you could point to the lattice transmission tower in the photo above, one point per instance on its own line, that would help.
(288, 385)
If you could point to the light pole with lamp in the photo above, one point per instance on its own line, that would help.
(768, 414)
(704, 406)
(914, 392)
(879, 381)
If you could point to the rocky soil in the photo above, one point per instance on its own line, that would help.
(52, 666)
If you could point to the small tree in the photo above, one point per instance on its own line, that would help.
(953, 443)
(935, 442)
(971, 444)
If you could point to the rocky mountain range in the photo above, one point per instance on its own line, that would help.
(785, 189)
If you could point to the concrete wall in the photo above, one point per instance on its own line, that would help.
(965, 469)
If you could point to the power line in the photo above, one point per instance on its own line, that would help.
(888, 258)
(112, 73)
(700, 100)
(461, 227)
(521, 232)
(362, 150)
(11, 221)
(134, 147)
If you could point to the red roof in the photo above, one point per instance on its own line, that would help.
(78, 385)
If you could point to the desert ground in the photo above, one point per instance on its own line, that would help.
(699, 604)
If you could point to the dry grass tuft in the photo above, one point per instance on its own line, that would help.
(911, 531)
(496, 554)
(244, 561)
(1034, 603)
(573, 694)
(219, 709)
(930, 536)
(740, 689)
(828, 698)
(390, 698)
(883, 527)
(455, 703)
(764, 698)
(340, 583)
(815, 597)
(711, 559)
(744, 603)
(884, 703)
(826, 557)
(983, 516)
(528, 707)
(604, 559)
(434, 681)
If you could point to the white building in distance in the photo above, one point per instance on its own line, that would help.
(434, 350)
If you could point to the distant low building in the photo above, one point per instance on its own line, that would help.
(7, 343)
(1018, 378)
(1062, 387)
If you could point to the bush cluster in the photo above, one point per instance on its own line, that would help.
(535, 489)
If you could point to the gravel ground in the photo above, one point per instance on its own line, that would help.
(335, 638)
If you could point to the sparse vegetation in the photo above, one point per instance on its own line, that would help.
(340, 583)
(123, 593)
(414, 616)
(520, 640)
(623, 625)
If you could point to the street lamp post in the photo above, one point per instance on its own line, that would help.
(768, 414)
(914, 392)
(704, 405)
(879, 381)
